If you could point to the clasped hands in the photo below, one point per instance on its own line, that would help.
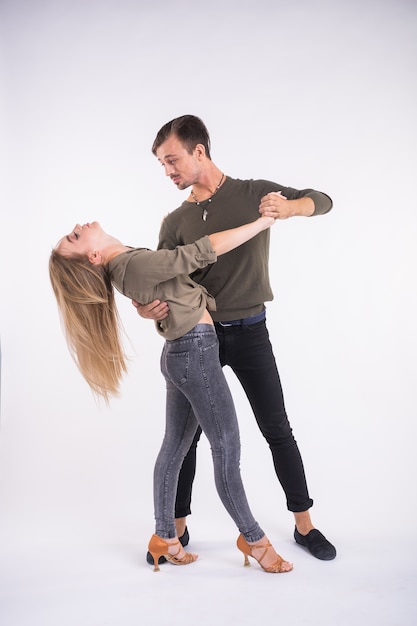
(277, 206)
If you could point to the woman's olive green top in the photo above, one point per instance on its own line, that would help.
(146, 275)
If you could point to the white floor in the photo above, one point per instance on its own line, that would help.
(75, 578)
(76, 516)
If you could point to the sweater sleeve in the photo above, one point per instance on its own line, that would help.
(322, 202)
(142, 269)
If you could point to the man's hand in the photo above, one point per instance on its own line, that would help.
(155, 310)
(276, 204)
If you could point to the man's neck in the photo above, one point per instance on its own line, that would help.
(208, 183)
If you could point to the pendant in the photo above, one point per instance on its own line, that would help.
(205, 214)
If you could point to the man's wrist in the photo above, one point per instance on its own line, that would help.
(304, 207)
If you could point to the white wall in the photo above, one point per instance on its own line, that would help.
(312, 93)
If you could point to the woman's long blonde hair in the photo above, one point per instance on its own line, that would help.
(91, 322)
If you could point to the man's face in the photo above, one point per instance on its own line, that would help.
(182, 167)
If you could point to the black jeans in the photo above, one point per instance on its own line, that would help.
(248, 351)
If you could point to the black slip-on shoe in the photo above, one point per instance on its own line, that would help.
(317, 544)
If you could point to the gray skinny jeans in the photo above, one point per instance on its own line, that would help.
(198, 394)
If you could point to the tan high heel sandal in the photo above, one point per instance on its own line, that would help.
(159, 547)
(247, 549)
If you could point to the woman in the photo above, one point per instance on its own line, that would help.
(83, 267)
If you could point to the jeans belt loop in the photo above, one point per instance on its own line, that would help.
(246, 321)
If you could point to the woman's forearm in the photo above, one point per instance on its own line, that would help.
(227, 240)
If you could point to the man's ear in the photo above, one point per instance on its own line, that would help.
(95, 257)
(200, 151)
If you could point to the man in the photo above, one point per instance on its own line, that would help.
(239, 282)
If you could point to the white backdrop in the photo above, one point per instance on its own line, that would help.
(310, 94)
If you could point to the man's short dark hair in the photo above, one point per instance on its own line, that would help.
(189, 129)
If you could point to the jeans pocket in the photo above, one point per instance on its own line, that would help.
(214, 344)
(177, 367)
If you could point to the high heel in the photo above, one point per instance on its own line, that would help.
(184, 541)
(247, 550)
(159, 547)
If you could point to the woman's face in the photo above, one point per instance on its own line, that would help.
(82, 240)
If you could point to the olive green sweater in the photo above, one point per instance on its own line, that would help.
(239, 280)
